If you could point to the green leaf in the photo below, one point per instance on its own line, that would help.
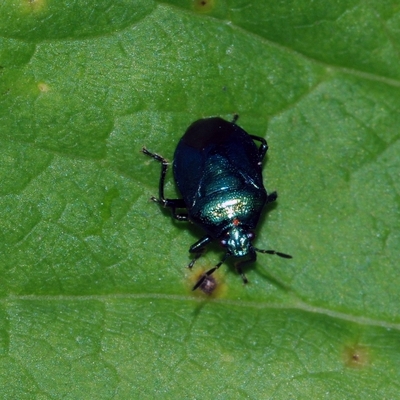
(95, 299)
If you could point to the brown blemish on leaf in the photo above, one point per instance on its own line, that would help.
(212, 286)
(209, 285)
(203, 6)
(356, 356)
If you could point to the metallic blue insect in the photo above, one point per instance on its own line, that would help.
(217, 168)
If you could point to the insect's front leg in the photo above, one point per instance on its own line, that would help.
(240, 264)
(199, 248)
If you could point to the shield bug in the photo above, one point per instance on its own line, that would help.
(217, 168)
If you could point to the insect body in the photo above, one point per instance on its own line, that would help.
(217, 168)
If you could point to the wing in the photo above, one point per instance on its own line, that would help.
(215, 155)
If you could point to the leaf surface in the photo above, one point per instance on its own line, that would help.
(95, 300)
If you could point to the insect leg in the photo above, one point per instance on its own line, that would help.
(199, 248)
(272, 197)
(240, 264)
(173, 204)
(262, 150)
(209, 272)
(240, 271)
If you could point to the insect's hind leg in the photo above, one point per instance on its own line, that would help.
(272, 197)
(173, 204)
(262, 150)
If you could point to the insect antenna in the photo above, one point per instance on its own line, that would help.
(278, 253)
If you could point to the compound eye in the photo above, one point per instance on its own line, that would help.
(224, 241)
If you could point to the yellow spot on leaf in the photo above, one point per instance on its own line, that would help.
(228, 358)
(43, 87)
(356, 356)
(33, 5)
